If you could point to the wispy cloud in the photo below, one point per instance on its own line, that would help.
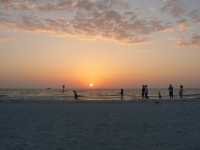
(152, 9)
(4, 39)
(183, 25)
(194, 41)
(195, 16)
(87, 5)
(137, 7)
(175, 7)
(12, 4)
(7, 3)
(4, 14)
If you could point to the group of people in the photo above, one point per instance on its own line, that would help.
(145, 92)
(171, 91)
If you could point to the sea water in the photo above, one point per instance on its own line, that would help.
(90, 94)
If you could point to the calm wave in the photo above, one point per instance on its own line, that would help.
(90, 94)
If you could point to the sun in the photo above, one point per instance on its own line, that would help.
(91, 84)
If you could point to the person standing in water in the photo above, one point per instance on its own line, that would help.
(170, 91)
(160, 97)
(143, 89)
(146, 92)
(122, 93)
(181, 91)
(75, 95)
(63, 88)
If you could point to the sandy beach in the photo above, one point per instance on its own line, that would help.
(100, 125)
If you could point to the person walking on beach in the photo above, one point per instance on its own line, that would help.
(146, 92)
(181, 91)
(75, 95)
(170, 91)
(143, 89)
(122, 93)
(160, 97)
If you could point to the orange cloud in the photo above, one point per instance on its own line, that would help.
(182, 24)
(194, 41)
(16, 5)
(152, 9)
(90, 19)
(111, 20)
(4, 39)
(7, 3)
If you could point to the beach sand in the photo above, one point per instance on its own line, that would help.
(95, 125)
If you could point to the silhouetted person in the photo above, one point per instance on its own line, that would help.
(122, 93)
(146, 92)
(170, 91)
(143, 89)
(160, 97)
(181, 91)
(63, 88)
(75, 95)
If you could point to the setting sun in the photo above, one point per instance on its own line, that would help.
(91, 84)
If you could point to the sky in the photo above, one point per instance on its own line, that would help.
(110, 43)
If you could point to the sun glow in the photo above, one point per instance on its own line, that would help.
(91, 84)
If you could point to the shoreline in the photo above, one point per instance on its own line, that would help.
(98, 101)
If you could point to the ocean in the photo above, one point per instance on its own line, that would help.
(90, 94)
(41, 119)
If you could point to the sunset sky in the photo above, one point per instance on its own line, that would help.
(110, 43)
